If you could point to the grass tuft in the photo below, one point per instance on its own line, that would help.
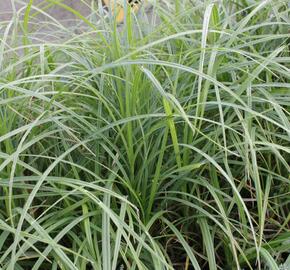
(146, 146)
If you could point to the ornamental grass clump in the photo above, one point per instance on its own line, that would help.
(159, 145)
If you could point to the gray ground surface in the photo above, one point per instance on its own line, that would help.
(57, 12)
(52, 25)
(57, 25)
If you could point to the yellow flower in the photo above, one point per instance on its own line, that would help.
(117, 7)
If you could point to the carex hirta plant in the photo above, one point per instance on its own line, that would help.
(158, 143)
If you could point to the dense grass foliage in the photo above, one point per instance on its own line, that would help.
(147, 146)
